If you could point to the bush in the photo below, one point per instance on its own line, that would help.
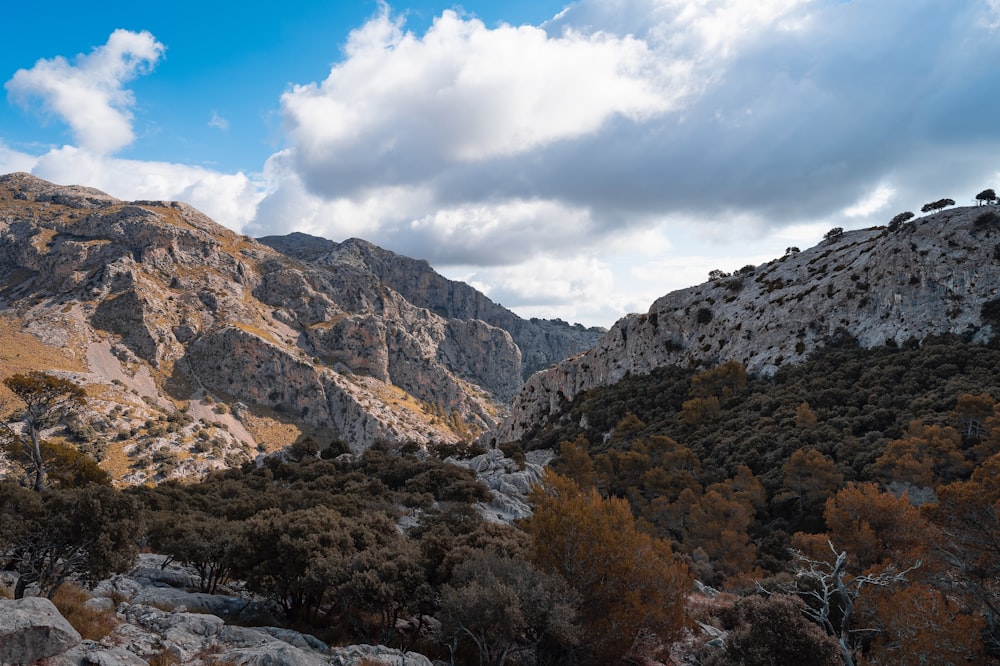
(767, 631)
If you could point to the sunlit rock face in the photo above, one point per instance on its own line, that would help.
(163, 312)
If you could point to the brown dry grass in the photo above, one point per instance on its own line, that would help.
(93, 624)
(269, 430)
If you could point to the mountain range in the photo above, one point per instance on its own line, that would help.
(201, 347)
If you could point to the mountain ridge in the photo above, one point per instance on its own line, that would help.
(221, 347)
(937, 274)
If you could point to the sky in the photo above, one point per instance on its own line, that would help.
(573, 160)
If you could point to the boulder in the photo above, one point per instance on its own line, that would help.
(356, 655)
(32, 629)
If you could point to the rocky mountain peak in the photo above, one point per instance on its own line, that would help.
(201, 347)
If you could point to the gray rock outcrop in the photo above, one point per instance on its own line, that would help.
(939, 274)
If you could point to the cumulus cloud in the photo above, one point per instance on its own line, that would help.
(230, 199)
(402, 107)
(89, 95)
(13, 160)
(709, 123)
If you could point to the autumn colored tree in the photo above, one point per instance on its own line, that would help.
(968, 515)
(46, 400)
(628, 581)
(723, 381)
(918, 624)
(575, 461)
(804, 416)
(809, 478)
(926, 456)
(697, 411)
(719, 527)
(876, 527)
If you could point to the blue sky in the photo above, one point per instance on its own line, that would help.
(575, 160)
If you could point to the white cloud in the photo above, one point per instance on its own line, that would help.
(218, 122)
(12, 160)
(89, 95)
(230, 199)
(401, 107)
(875, 201)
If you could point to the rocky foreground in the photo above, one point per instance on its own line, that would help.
(162, 623)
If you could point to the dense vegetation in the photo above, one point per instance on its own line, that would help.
(848, 510)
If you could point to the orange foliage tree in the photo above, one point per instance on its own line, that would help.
(920, 625)
(968, 516)
(629, 581)
(927, 456)
(876, 527)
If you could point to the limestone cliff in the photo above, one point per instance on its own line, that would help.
(938, 274)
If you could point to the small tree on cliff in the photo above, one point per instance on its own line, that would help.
(987, 196)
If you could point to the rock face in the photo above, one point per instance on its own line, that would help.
(32, 629)
(939, 274)
(541, 341)
(217, 347)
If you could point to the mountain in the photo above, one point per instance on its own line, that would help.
(200, 347)
(935, 275)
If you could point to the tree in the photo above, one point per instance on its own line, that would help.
(809, 478)
(897, 222)
(968, 515)
(204, 542)
(296, 559)
(832, 595)
(719, 527)
(987, 196)
(937, 205)
(575, 461)
(921, 625)
(628, 581)
(47, 400)
(52, 535)
(928, 455)
(506, 605)
(834, 234)
(877, 527)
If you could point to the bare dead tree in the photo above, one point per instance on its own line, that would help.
(832, 593)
